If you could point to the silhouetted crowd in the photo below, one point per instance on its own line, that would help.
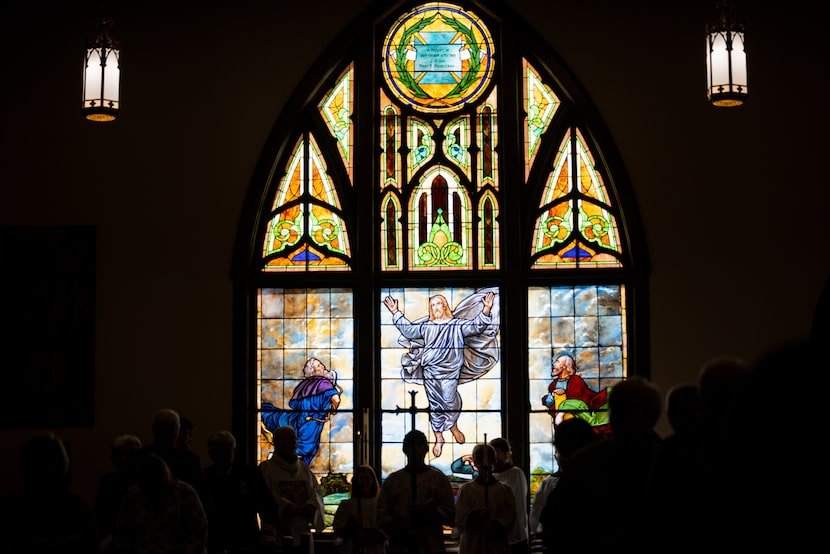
(739, 470)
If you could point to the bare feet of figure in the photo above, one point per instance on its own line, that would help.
(439, 444)
(457, 434)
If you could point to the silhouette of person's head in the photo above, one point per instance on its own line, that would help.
(185, 437)
(682, 410)
(365, 482)
(719, 382)
(123, 451)
(44, 463)
(222, 449)
(285, 443)
(758, 443)
(154, 475)
(166, 425)
(504, 452)
(571, 435)
(484, 458)
(634, 406)
(415, 446)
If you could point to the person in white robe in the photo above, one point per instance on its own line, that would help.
(295, 488)
(515, 478)
(485, 509)
(356, 522)
(416, 502)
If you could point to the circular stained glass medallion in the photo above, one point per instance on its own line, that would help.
(438, 57)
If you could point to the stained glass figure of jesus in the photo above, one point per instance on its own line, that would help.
(447, 348)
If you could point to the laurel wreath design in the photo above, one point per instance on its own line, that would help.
(474, 61)
(400, 62)
(409, 81)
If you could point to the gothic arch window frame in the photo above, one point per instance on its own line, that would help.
(360, 195)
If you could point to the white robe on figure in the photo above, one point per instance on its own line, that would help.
(516, 479)
(294, 482)
(431, 487)
(547, 485)
(443, 355)
(368, 512)
(478, 539)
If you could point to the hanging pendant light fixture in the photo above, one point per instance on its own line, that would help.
(102, 76)
(726, 82)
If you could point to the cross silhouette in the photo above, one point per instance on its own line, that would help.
(412, 409)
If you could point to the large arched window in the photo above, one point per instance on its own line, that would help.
(438, 216)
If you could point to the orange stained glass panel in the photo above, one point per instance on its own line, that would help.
(307, 229)
(575, 229)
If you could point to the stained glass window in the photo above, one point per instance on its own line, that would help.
(438, 252)
(440, 370)
(575, 226)
(540, 103)
(438, 58)
(306, 228)
(305, 375)
(588, 325)
(336, 109)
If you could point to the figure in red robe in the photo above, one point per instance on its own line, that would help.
(569, 396)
